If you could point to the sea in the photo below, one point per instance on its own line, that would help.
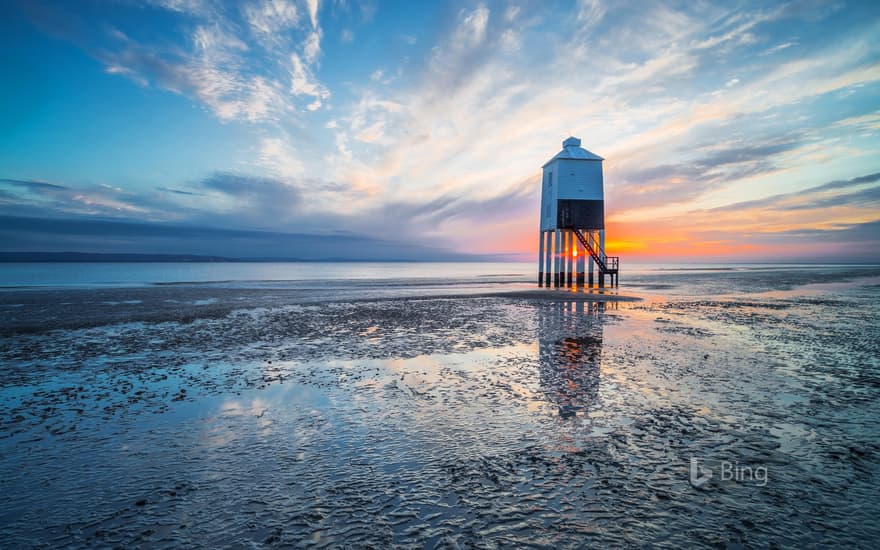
(477, 276)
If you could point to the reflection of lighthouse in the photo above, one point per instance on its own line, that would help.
(569, 367)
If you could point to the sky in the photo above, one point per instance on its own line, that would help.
(732, 131)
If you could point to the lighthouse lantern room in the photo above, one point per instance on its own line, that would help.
(572, 230)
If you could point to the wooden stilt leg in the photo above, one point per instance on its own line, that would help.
(556, 259)
(540, 258)
(548, 255)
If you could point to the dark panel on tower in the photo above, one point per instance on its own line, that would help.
(582, 214)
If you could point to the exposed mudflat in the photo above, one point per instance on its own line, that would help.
(233, 417)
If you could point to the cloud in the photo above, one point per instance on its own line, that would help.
(473, 28)
(254, 198)
(270, 17)
(178, 191)
(845, 192)
(864, 123)
(33, 186)
(454, 61)
(707, 182)
(312, 47)
(778, 48)
(590, 12)
(214, 74)
(868, 178)
(860, 198)
(183, 6)
(867, 232)
(278, 155)
(231, 199)
(302, 83)
(793, 226)
(236, 200)
(370, 117)
(21, 234)
(511, 201)
(229, 60)
(39, 198)
(855, 242)
(313, 12)
(341, 140)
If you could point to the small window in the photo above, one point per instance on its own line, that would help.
(550, 179)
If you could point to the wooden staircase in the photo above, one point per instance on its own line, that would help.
(607, 264)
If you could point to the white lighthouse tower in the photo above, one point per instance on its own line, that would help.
(573, 219)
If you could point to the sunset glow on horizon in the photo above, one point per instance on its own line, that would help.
(730, 133)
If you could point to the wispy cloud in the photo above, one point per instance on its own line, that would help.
(303, 83)
(852, 191)
(270, 17)
(233, 62)
(590, 12)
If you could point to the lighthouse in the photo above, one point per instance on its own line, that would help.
(572, 230)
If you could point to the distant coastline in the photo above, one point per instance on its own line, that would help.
(100, 257)
(96, 257)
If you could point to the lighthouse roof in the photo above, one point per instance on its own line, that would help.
(571, 149)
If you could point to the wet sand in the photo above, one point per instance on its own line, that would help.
(39, 311)
(174, 416)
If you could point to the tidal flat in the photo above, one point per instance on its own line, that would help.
(172, 416)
